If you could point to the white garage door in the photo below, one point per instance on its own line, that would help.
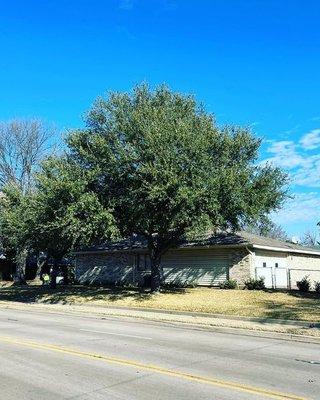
(201, 267)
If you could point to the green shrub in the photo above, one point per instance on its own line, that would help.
(255, 284)
(176, 285)
(317, 286)
(304, 284)
(229, 284)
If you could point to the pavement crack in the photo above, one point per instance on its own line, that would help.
(259, 348)
(107, 387)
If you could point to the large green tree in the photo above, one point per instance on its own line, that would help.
(65, 212)
(163, 166)
(58, 215)
(14, 227)
(23, 144)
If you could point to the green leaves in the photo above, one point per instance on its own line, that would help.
(148, 162)
(164, 164)
(67, 213)
(15, 216)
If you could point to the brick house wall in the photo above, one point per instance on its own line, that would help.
(104, 268)
(119, 267)
(240, 265)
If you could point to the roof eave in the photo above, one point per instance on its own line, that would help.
(286, 250)
(214, 246)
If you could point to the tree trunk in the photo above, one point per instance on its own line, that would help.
(21, 261)
(53, 274)
(158, 246)
(65, 275)
(156, 273)
(41, 262)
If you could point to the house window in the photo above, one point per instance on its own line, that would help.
(264, 265)
(276, 265)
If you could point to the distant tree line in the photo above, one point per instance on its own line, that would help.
(265, 227)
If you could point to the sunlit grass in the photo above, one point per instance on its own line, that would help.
(263, 304)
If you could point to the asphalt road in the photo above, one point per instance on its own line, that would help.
(53, 356)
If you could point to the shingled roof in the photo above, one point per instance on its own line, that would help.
(236, 239)
(256, 241)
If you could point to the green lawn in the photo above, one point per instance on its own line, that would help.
(263, 304)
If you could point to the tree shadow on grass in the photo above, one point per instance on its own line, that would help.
(75, 294)
(304, 307)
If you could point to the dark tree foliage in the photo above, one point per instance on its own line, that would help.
(162, 165)
(65, 212)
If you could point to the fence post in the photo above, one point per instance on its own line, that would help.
(289, 278)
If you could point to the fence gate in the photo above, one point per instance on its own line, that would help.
(280, 278)
(274, 277)
(266, 273)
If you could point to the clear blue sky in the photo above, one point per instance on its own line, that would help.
(252, 62)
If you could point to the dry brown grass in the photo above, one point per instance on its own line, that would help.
(262, 304)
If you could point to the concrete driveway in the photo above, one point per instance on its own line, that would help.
(62, 356)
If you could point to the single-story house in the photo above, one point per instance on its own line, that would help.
(205, 262)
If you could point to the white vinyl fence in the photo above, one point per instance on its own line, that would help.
(296, 275)
(275, 278)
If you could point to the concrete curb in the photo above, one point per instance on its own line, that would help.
(235, 326)
(304, 324)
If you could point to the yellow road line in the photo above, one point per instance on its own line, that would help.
(154, 368)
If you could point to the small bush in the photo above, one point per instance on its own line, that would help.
(317, 286)
(255, 284)
(176, 285)
(304, 284)
(229, 284)
(179, 285)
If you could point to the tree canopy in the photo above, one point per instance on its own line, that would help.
(152, 163)
(65, 211)
(23, 145)
(164, 166)
(15, 227)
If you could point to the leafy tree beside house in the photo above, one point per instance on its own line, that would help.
(23, 144)
(152, 163)
(14, 228)
(60, 213)
(52, 209)
(65, 212)
(163, 167)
